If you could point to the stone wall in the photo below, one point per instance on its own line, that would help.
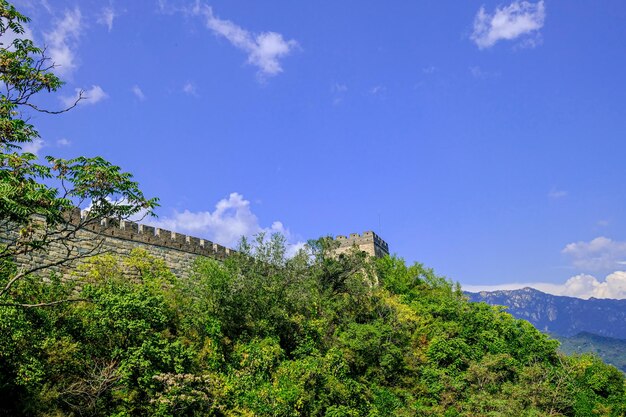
(119, 238)
(369, 242)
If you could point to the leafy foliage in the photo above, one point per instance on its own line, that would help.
(36, 200)
(319, 334)
(609, 349)
(264, 335)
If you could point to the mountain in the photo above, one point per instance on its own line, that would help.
(612, 351)
(561, 316)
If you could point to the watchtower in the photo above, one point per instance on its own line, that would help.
(369, 242)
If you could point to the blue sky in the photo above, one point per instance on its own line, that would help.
(484, 139)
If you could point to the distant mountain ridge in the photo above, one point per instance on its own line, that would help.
(560, 315)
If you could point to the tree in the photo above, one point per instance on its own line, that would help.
(37, 201)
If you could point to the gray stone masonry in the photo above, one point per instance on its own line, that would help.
(368, 242)
(178, 251)
(119, 238)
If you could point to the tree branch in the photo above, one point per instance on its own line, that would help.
(40, 110)
(49, 304)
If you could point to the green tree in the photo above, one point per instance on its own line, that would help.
(37, 201)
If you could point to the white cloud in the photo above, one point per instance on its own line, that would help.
(62, 41)
(231, 219)
(520, 18)
(556, 194)
(190, 88)
(377, 89)
(46, 5)
(138, 93)
(33, 6)
(264, 49)
(106, 17)
(63, 142)
(94, 95)
(481, 74)
(339, 91)
(580, 286)
(166, 7)
(598, 254)
(33, 147)
(339, 88)
(477, 72)
(90, 96)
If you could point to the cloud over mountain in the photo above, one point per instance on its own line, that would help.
(599, 254)
(580, 286)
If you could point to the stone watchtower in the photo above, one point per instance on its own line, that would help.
(368, 242)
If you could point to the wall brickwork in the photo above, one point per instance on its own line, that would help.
(369, 242)
(178, 251)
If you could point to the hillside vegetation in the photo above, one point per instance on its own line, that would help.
(595, 326)
(611, 350)
(561, 315)
(315, 335)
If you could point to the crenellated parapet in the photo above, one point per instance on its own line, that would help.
(86, 237)
(368, 242)
(120, 237)
(154, 236)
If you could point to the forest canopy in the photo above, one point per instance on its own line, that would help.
(264, 335)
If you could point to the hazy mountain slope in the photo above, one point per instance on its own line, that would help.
(611, 350)
(561, 316)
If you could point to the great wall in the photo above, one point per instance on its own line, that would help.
(177, 250)
(369, 242)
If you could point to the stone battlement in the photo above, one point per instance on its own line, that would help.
(118, 238)
(178, 251)
(154, 236)
(368, 242)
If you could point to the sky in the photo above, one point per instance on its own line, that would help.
(483, 139)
